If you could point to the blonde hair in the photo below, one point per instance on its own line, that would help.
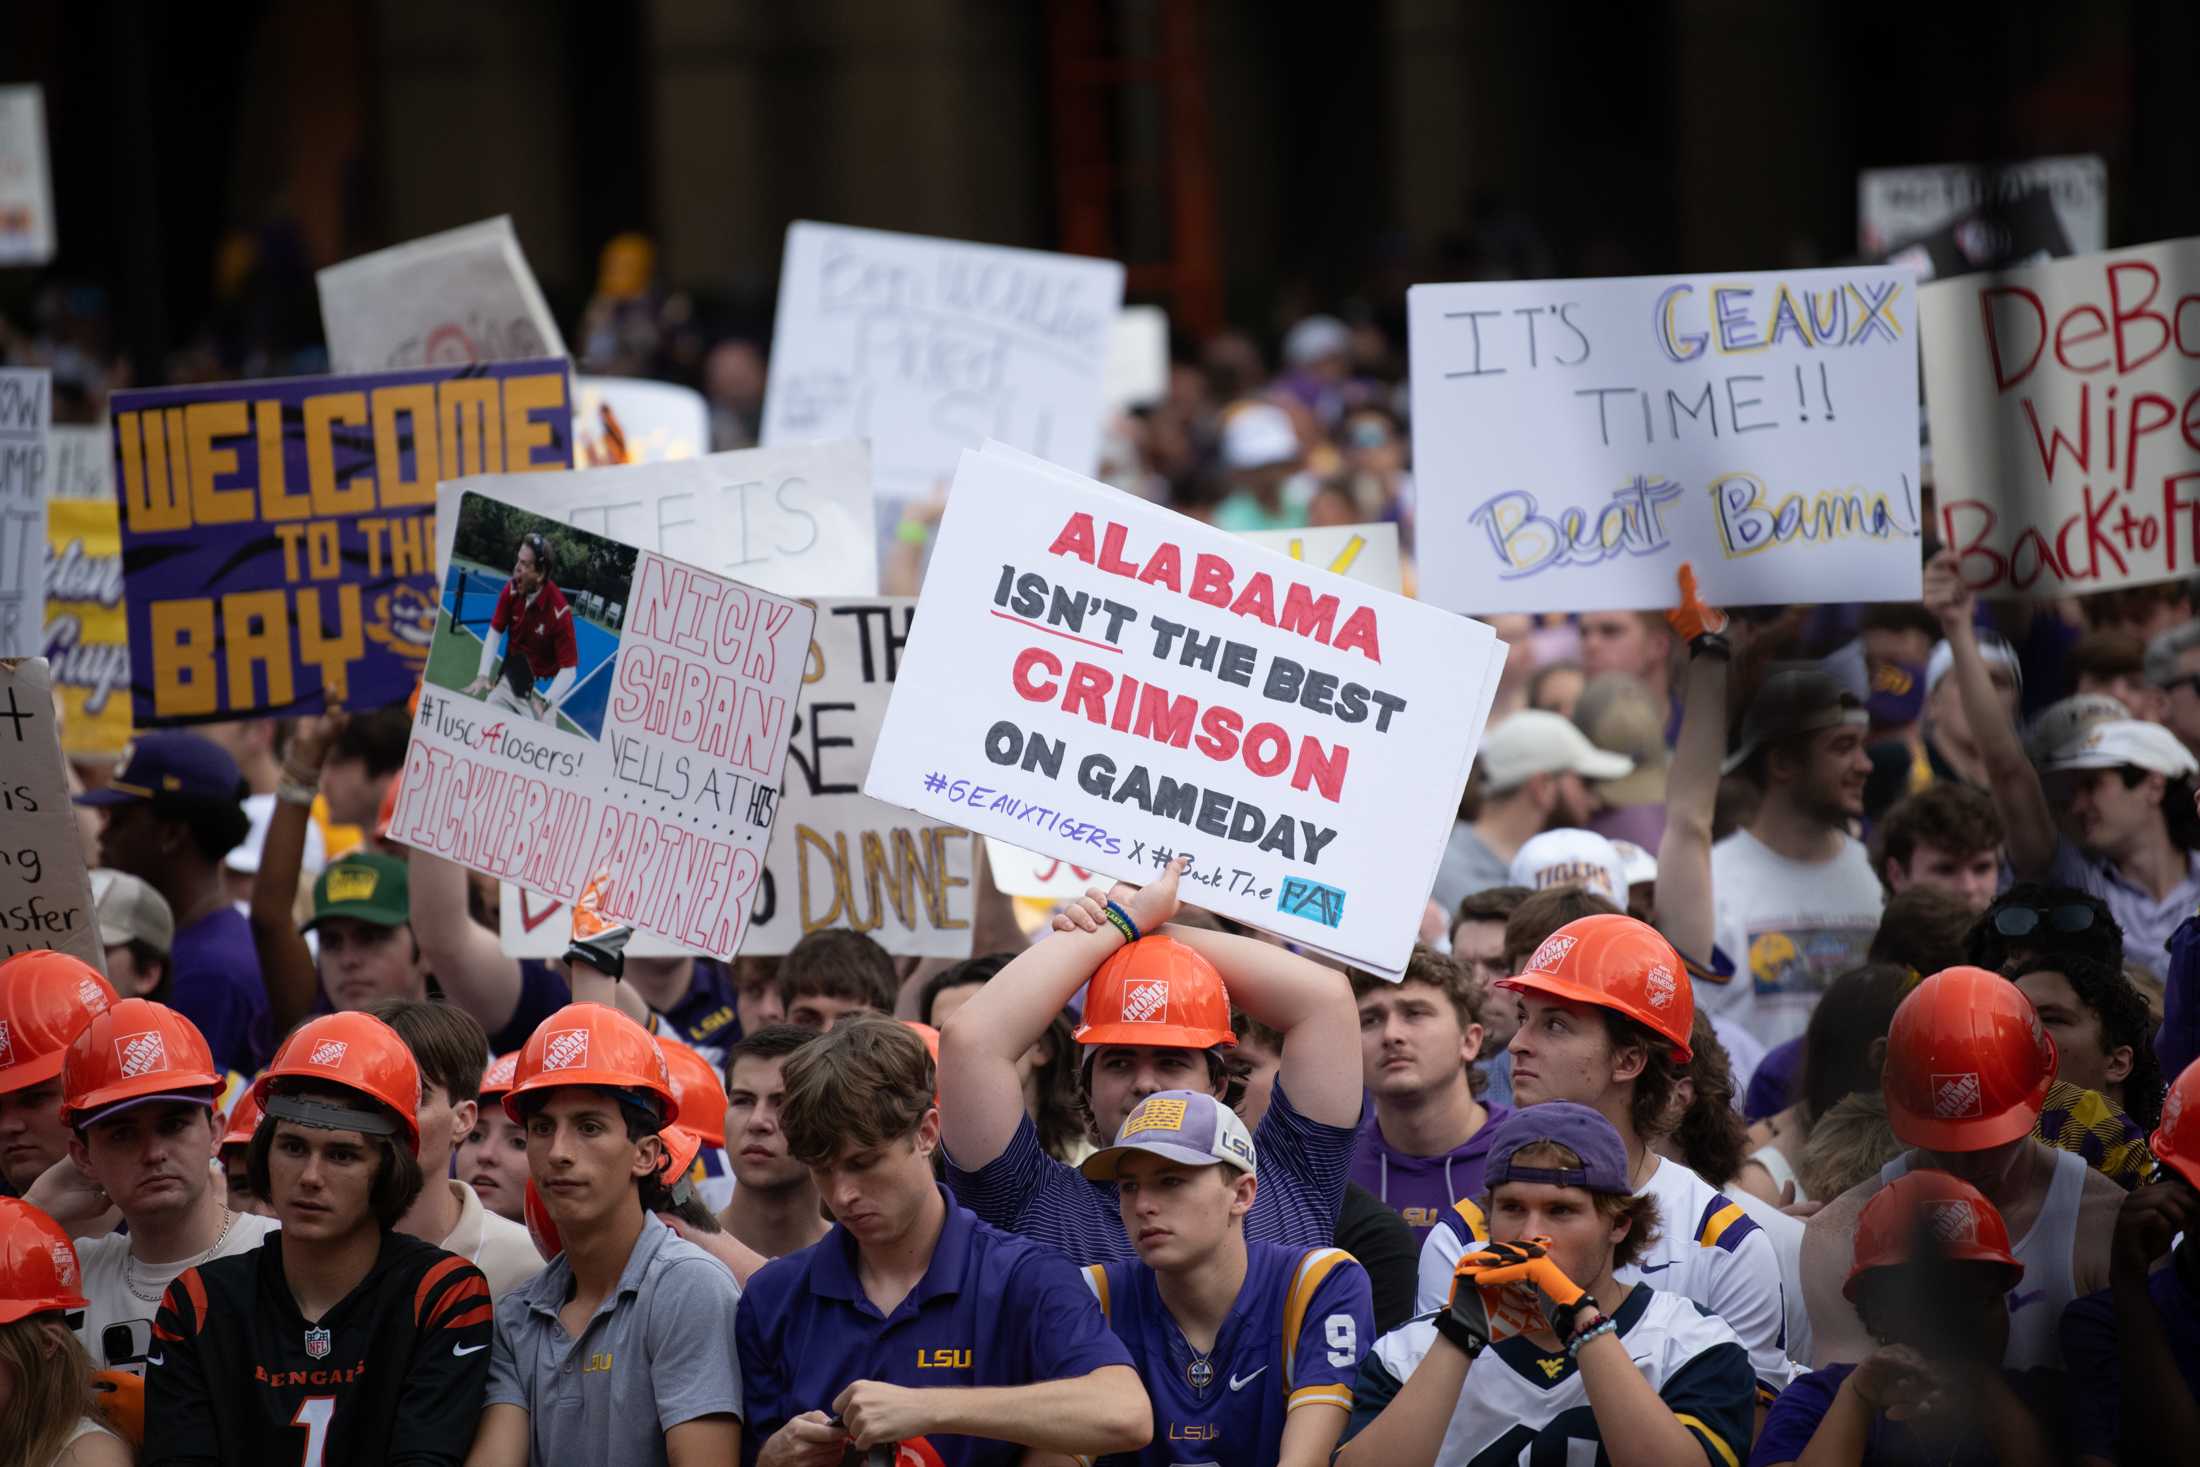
(53, 1387)
(1847, 1145)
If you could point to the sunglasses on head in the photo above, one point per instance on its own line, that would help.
(2024, 921)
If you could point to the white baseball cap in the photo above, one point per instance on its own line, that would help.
(2065, 721)
(244, 857)
(2122, 741)
(1639, 864)
(1257, 434)
(1995, 651)
(1572, 857)
(1533, 742)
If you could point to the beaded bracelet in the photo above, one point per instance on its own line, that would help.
(1122, 922)
(1603, 1324)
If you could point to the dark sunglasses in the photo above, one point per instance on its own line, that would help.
(2024, 921)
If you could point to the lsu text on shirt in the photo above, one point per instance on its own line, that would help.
(1303, 1169)
(1522, 1408)
(993, 1309)
(1421, 1189)
(391, 1376)
(1708, 1250)
(1294, 1338)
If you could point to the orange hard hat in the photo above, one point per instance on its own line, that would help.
(134, 1051)
(540, 1228)
(38, 1270)
(497, 1079)
(2176, 1141)
(1955, 1215)
(592, 1044)
(355, 1050)
(1156, 991)
(45, 997)
(699, 1096)
(244, 1119)
(682, 1146)
(1968, 1064)
(1617, 963)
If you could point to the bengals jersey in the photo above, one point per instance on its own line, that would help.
(394, 1373)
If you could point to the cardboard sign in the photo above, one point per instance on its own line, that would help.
(26, 477)
(278, 538)
(1096, 678)
(624, 714)
(87, 636)
(792, 520)
(83, 461)
(838, 859)
(2064, 398)
(927, 347)
(465, 295)
(1897, 205)
(625, 420)
(1576, 440)
(45, 889)
(1364, 553)
(26, 188)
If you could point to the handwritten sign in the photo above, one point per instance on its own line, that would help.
(279, 550)
(625, 420)
(26, 186)
(2066, 420)
(1897, 205)
(658, 761)
(926, 347)
(465, 295)
(87, 636)
(1022, 873)
(1576, 440)
(794, 520)
(26, 477)
(1096, 678)
(45, 890)
(1364, 553)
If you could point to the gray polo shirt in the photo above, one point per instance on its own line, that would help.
(657, 1352)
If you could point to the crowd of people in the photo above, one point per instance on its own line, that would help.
(1800, 1063)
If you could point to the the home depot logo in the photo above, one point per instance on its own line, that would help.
(141, 1054)
(1547, 956)
(1147, 1002)
(329, 1053)
(1952, 1222)
(1956, 1097)
(64, 1266)
(1659, 983)
(91, 995)
(565, 1050)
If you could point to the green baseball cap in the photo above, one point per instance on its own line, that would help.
(366, 885)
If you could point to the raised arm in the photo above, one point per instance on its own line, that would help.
(2011, 779)
(465, 957)
(981, 1094)
(1686, 912)
(286, 962)
(1309, 1004)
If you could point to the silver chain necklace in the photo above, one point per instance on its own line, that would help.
(129, 1261)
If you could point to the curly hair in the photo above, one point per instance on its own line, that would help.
(1710, 1135)
(1951, 817)
(2125, 1021)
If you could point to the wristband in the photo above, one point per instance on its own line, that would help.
(913, 532)
(1711, 644)
(291, 792)
(1454, 1329)
(1603, 1324)
(1121, 921)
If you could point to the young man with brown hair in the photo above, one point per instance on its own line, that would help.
(1478, 933)
(774, 1208)
(832, 974)
(1946, 835)
(912, 1320)
(1421, 1150)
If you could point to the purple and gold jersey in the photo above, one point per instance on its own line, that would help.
(1302, 1320)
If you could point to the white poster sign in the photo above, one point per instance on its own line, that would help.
(1364, 553)
(465, 295)
(26, 182)
(26, 478)
(1897, 205)
(627, 420)
(2065, 399)
(1096, 678)
(1138, 359)
(636, 723)
(1022, 873)
(83, 461)
(45, 890)
(926, 347)
(795, 520)
(1574, 441)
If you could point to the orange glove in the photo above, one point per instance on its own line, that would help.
(119, 1398)
(1515, 1263)
(1692, 619)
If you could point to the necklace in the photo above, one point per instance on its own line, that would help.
(129, 1262)
(1201, 1371)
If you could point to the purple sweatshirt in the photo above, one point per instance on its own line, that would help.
(1423, 1188)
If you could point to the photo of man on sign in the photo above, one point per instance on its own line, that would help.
(536, 640)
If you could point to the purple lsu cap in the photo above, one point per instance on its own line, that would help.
(1579, 1128)
(1177, 1125)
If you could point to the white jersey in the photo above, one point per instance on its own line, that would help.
(1521, 1406)
(123, 1298)
(1708, 1249)
(1785, 929)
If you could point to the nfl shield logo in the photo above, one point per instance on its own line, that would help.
(317, 1343)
